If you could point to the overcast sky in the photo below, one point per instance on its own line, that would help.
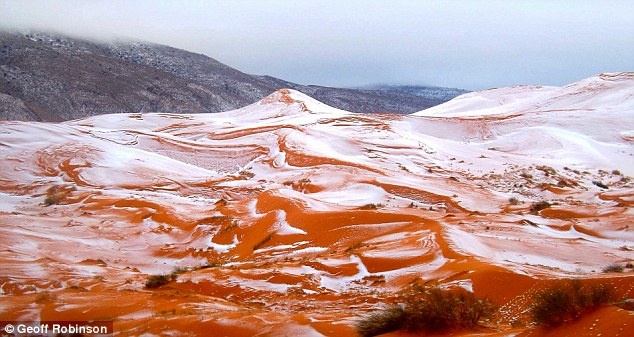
(468, 44)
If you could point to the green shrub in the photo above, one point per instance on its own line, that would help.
(560, 303)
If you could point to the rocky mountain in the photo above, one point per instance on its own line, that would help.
(46, 77)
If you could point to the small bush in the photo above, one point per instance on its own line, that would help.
(600, 184)
(156, 281)
(548, 171)
(439, 310)
(381, 322)
(57, 193)
(554, 306)
(564, 302)
(514, 201)
(371, 206)
(613, 268)
(45, 297)
(538, 206)
(565, 182)
(209, 265)
(179, 270)
(431, 310)
(627, 304)
(600, 294)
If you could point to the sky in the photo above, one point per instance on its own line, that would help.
(470, 44)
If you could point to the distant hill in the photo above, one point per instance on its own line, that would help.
(45, 77)
(437, 93)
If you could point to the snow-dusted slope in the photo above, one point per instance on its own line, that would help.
(499, 101)
(584, 124)
(602, 92)
(274, 207)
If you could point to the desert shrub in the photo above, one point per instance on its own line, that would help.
(381, 322)
(371, 206)
(526, 175)
(627, 304)
(600, 184)
(156, 281)
(179, 270)
(432, 310)
(560, 303)
(57, 193)
(553, 306)
(437, 310)
(600, 294)
(209, 264)
(613, 268)
(548, 171)
(538, 206)
(45, 297)
(53, 199)
(514, 201)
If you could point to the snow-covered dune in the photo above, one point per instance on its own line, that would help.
(582, 125)
(291, 206)
(602, 92)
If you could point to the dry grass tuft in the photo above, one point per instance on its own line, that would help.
(567, 301)
(430, 310)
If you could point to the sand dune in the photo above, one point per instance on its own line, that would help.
(291, 217)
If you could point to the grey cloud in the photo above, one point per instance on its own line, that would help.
(467, 44)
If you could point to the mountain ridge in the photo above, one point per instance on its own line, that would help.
(48, 77)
